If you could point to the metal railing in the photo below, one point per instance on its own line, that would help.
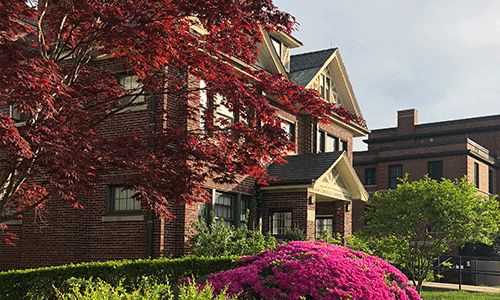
(465, 270)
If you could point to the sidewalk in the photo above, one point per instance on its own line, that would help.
(438, 286)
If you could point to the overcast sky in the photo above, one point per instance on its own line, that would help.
(441, 57)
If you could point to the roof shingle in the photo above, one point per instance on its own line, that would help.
(302, 169)
(303, 67)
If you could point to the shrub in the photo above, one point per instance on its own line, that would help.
(38, 283)
(81, 289)
(215, 240)
(87, 289)
(294, 234)
(326, 237)
(314, 270)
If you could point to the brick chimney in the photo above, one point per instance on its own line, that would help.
(407, 119)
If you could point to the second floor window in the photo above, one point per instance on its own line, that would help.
(12, 112)
(289, 127)
(491, 182)
(395, 172)
(435, 170)
(327, 142)
(133, 88)
(476, 174)
(370, 176)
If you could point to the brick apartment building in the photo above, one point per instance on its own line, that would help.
(315, 191)
(449, 149)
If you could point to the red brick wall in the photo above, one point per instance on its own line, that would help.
(296, 201)
(446, 141)
(61, 234)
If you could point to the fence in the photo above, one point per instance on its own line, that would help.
(469, 270)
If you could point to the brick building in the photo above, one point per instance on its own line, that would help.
(314, 191)
(449, 149)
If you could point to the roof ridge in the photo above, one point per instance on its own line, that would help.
(313, 52)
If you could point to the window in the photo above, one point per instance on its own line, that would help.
(322, 84)
(435, 170)
(323, 224)
(231, 208)
(370, 176)
(325, 85)
(244, 207)
(209, 102)
(12, 112)
(132, 87)
(224, 208)
(321, 141)
(343, 146)
(289, 127)
(491, 189)
(280, 222)
(120, 200)
(326, 142)
(276, 45)
(203, 212)
(222, 112)
(331, 143)
(395, 172)
(476, 174)
(327, 89)
(203, 105)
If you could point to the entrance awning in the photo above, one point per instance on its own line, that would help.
(328, 175)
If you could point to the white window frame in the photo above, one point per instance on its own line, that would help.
(131, 85)
(120, 200)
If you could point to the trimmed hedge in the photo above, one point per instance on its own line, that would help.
(39, 283)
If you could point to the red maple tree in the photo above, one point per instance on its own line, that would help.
(50, 76)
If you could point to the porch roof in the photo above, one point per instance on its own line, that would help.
(329, 175)
(302, 169)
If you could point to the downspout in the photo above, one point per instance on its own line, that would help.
(150, 230)
(259, 209)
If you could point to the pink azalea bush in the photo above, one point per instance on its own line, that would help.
(313, 270)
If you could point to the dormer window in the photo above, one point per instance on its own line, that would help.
(277, 46)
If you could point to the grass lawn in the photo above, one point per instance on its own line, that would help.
(458, 296)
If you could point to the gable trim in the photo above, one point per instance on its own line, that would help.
(354, 189)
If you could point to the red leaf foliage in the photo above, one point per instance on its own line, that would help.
(54, 70)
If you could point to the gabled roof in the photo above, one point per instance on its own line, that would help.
(303, 67)
(328, 175)
(302, 169)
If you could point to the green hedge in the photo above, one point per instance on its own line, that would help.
(38, 283)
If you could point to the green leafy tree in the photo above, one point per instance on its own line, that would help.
(419, 221)
(215, 239)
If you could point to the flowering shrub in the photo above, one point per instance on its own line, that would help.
(313, 270)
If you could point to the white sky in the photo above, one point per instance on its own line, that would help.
(441, 57)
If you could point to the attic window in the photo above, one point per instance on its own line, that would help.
(277, 46)
(325, 86)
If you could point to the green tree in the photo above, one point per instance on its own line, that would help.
(418, 221)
